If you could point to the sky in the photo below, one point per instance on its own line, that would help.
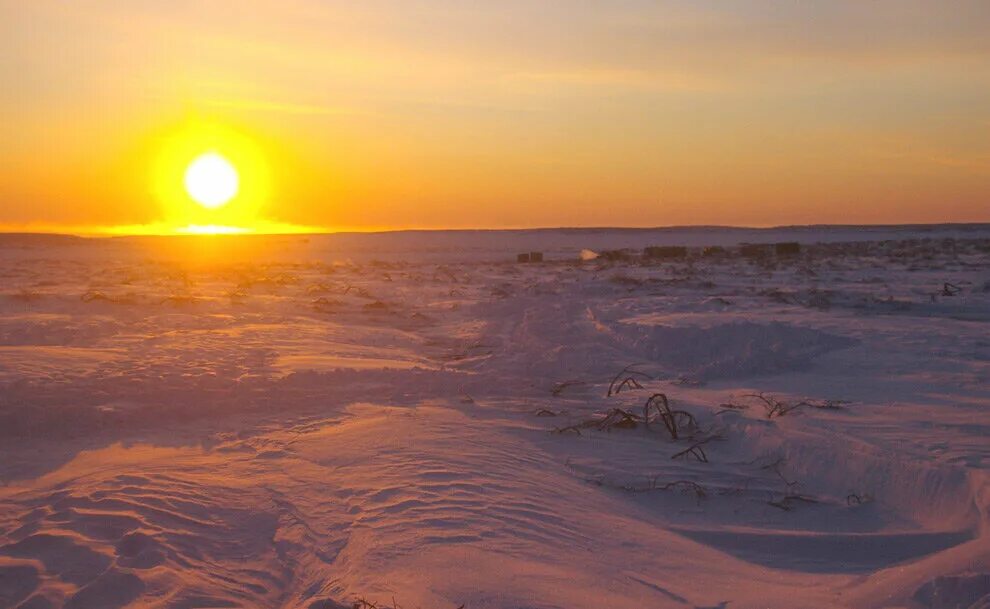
(451, 114)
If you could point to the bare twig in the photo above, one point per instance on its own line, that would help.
(558, 388)
(629, 382)
(825, 404)
(695, 450)
(787, 502)
(773, 406)
(673, 420)
(949, 289)
(855, 499)
(625, 375)
(615, 418)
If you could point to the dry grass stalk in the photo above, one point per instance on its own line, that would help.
(695, 450)
(825, 404)
(730, 407)
(616, 418)
(788, 502)
(674, 420)
(773, 406)
(625, 377)
(686, 486)
(628, 382)
(855, 499)
(949, 289)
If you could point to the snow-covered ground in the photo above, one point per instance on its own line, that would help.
(416, 419)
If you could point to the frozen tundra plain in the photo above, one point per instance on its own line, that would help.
(416, 420)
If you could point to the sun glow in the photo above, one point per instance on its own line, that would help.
(211, 180)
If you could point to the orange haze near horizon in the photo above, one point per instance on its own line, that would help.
(443, 114)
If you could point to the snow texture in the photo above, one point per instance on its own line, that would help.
(415, 419)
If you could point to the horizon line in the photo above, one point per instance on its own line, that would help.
(377, 231)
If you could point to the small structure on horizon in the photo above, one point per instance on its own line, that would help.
(615, 255)
(789, 248)
(755, 250)
(665, 251)
(529, 257)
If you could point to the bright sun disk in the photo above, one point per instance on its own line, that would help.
(211, 180)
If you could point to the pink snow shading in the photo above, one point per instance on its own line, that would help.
(416, 419)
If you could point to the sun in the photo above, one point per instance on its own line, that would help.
(211, 180)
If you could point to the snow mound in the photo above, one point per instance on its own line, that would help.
(732, 350)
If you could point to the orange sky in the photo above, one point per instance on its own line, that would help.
(439, 113)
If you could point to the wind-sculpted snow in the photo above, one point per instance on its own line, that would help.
(731, 350)
(426, 423)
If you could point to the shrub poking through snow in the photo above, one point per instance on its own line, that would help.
(695, 450)
(620, 419)
(730, 407)
(949, 289)
(558, 388)
(628, 382)
(790, 498)
(788, 502)
(853, 499)
(778, 408)
(684, 486)
(825, 404)
(366, 604)
(774, 407)
(657, 408)
(626, 378)
(616, 418)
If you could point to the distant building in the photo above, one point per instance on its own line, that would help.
(665, 251)
(755, 250)
(790, 248)
(615, 255)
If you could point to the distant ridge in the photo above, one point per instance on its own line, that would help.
(35, 239)
(40, 238)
